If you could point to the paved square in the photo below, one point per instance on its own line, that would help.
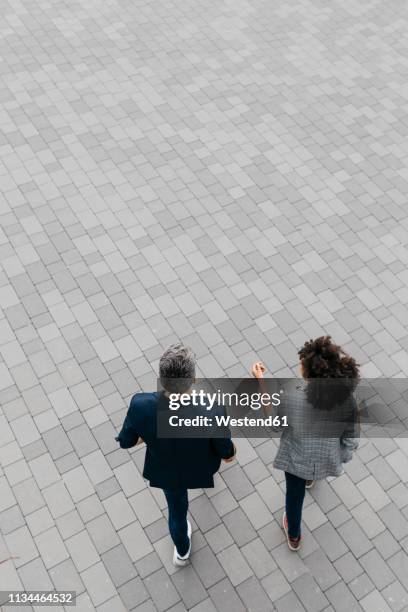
(233, 174)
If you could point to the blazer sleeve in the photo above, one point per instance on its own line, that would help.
(350, 437)
(128, 435)
(222, 444)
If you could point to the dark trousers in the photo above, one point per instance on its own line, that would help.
(295, 494)
(177, 501)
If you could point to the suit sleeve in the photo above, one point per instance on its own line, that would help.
(128, 435)
(223, 444)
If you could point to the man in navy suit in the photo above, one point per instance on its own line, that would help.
(179, 463)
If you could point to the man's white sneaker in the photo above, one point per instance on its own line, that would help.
(177, 559)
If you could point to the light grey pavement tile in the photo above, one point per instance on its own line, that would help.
(21, 545)
(239, 527)
(348, 567)
(65, 577)
(396, 596)
(119, 565)
(368, 520)
(39, 520)
(103, 533)
(27, 494)
(342, 599)
(11, 519)
(289, 602)
(34, 576)
(355, 538)
(58, 499)
(51, 547)
(189, 586)
(162, 590)
(225, 598)
(253, 595)
(148, 564)
(204, 513)
(309, 593)
(374, 602)
(81, 550)
(218, 538)
(135, 541)
(399, 565)
(395, 521)
(361, 586)
(386, 544)
(321, 569)
(256, 510)
(234, 564)
(259, 558)
(291, 565)
(69, 524)
(98, 583)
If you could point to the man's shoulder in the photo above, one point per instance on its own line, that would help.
(143, 402)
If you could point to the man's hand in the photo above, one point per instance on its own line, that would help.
(258, 369)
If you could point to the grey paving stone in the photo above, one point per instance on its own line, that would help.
(361, 586)
(342, 599)
(237, 482)
(207, 566)
(239, 527)
(148, 564)
(321, 569)
(348, 567)
(399, 565)
(51, 547)
(255, 509)
(377, 569)
(254, 596)
(234, 564)
(355, 538)
(189, 586)
(291, 565)
(218, 538)
(11, 519)
(69, 524)
(34, 575)
(395, 521)
(66, 578)
(386, 544)
(396, 596)
(82, 551)
(259, 558)
(225, 598)
(119, 565)
(28, 496)
(289, 602)
(161, 590)
(330, 541)
(98, 583)
(204, 513)
(309, 593)
(57, 442)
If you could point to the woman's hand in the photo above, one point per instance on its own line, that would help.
(258, 369)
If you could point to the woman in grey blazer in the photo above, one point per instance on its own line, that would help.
(322, 424)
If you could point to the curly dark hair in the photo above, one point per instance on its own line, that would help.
(323, 359)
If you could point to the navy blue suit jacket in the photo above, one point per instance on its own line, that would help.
(172, 463)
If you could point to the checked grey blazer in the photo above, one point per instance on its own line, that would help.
(316, 442)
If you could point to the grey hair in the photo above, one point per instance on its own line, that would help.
(177, 368)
